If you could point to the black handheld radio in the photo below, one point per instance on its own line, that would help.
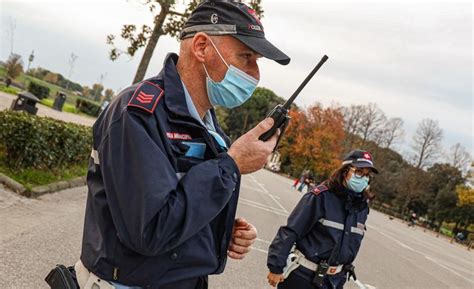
(280, 112)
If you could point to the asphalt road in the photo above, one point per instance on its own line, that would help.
(37, 234)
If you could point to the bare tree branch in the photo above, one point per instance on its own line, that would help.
(372, 119)
(392, 132)
(426, 142)
(460, 158)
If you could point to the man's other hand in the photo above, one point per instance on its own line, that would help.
(243, 236)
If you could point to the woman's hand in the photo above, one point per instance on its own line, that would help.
(274, 279)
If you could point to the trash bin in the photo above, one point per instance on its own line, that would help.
(25, 101)
(59, 101)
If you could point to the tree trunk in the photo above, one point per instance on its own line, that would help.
(439, 227)
(151, 45)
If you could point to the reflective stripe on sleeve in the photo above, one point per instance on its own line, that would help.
(357, 231)
(95, 156)
(331, 224)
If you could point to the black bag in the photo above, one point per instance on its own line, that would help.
(62, 278)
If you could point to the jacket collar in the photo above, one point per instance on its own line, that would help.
(175, 99)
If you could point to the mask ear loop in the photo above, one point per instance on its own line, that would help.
(218, 52)
(220, 55)
(205, 69)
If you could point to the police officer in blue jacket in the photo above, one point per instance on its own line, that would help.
(324, 232)
(163, 177)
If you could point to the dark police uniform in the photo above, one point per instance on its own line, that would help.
(162, 192)
(324, 227)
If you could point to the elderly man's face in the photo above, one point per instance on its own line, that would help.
(234, 53)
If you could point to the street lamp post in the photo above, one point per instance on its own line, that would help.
(30, 59)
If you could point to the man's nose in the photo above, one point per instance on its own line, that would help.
(254, 71)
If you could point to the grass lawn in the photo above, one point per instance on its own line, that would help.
(447, 228)
(10, 90)
(66, 108)
(53, 89)
(35, 177)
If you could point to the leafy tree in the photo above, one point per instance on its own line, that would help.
(97, 89)
(87, 92)
(443, 206)
(440, 193)
(411, 190)
(464, 213)
(465, 195)
(313, 141)
(51, 78)
(14, 66)
(169, 21)
(240, 119)
(108, 94)
(388, 184)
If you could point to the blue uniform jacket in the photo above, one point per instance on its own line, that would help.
(162, 193)
(324, 226)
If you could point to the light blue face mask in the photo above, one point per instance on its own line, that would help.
(356, 184)
(235, 89)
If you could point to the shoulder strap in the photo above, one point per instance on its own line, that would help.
(319, 189)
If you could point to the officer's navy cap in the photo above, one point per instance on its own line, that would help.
(220, 17)
(360, 159)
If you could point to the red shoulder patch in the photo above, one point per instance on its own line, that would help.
(319, 189)
(146, 96)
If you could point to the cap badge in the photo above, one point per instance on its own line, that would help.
(367, 156)
(254, 14)
(214, 18)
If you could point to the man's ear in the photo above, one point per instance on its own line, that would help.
(198, 46)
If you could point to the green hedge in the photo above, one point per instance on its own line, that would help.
(42, 142)
(38, 90)
(88, 107)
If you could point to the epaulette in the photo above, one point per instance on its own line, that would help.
(319, 190)
(146, 96)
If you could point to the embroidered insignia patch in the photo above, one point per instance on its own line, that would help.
(319, 189)
(146, 96)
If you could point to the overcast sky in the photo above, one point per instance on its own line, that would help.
(412, 58)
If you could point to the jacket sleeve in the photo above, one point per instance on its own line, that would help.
(301, 220)
(152, 210)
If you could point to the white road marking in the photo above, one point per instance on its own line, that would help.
(261, 205)
(436, 249)
(398, 242)
(259, 250)
(263, 208)
(270, 195)
(447, 268)
(372, 227)
(250, 187)
(263, 241)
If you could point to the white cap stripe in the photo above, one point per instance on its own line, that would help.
(358, 160)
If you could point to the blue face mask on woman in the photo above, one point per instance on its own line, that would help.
(235, 89)
(357, 184)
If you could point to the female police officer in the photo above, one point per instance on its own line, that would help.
(325, 230)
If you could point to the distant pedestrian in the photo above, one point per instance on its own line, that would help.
(295, 183)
